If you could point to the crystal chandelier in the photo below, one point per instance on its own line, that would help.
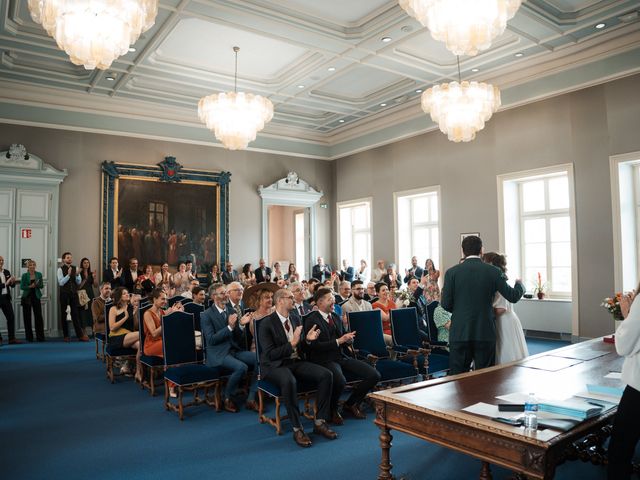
(235, 117)
(466, 26)
(461, 108)
(94, 32)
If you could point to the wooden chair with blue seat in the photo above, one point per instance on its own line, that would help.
(407, 338)
(149, 363)
(101, 341)
(196, 310)
(271, 390)
(182, 368)
(177, 298)
(115, 354)
(369, 345)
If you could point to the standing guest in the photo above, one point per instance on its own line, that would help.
(229, 275)
(247, 277)
(214, 276)
(347, 273)
(414, 271)
(392, 278)
(378, 272)
(277, 273)
(363, 273)
(89, 280)
(344, 292)
(300, 305)
(431, 289)
(131, 274)
(263, 273)
(626, 426)
(385, 303)
(292, 274)
(371, 295)
(193, 284)
(321, 271)
(223, 334)
(180, 280)
(510, 342)
(332, 350)
(282, 343)
(356, 302)
(468, 293)
(147, 280)
(68, 281)
(7, 281)
(113, 274)
(97, 307)
(31, 285)
(163, 277)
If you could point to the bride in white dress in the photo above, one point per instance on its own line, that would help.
(510, 342)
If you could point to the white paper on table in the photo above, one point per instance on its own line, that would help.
(599, 397)
(488, 410)
(616, 375)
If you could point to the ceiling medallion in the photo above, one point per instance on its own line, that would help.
(465, 26)
(235, 117)
(461, 108)
(94, 32)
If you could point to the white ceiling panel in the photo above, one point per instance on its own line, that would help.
(209, 46)
(341, 12)
(359, 82)
(571, 6)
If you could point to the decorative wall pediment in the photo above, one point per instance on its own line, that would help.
(290, 190)
(16, 162)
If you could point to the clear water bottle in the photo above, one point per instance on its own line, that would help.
(531, 412)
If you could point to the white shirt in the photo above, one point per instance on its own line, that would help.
(134, 275)
(4, 281)
(628, 345)
(289, 333)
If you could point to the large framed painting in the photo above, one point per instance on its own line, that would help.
(164, 213)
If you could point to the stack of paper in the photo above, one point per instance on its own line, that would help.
(604, 390)
(571, 407)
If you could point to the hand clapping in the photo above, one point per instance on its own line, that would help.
(246, 318)
(297, 332)
(313, 334)
(233, 319)
(347, 338)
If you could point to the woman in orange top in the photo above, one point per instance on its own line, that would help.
(385, 303)
(153, 322)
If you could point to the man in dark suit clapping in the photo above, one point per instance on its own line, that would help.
(321, 270)
(468, 293)
(282, 344)
(333, 350)
(113, 274)
(263, 273)
(130, 275)
(229, 275)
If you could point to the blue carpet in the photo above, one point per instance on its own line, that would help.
(61, 418)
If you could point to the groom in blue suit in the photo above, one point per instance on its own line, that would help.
(468, 293)
(223, 333)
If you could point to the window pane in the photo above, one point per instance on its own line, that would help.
(420, 209)
(533, 196)
(531, 276)
(421, 244)
(559, 192)
(535, 254)
(434, 208)
(435, 243)
(561, 254)
(560, 229)
(561, 279)
(361, 217)
(535, 230)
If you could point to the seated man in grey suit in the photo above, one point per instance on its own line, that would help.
(468, 292)
(223, 334)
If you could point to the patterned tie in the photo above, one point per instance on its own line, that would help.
(237, 309)
(300, 310)
(287, 327)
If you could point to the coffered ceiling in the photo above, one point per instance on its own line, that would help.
(337, 87)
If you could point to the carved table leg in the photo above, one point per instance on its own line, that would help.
(385, 463)
(485, 472)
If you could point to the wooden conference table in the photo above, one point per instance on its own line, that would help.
(432, 410)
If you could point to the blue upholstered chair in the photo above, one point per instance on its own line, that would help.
(196, 310)
(101, 343)
(370, 346)
(407, 339)
(177, 298)
(149, 363)
(115, 354)
(182, 367)
(272, 390)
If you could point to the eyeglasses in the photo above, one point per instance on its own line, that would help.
(290, 297)
(237, 290)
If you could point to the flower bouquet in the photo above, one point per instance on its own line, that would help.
(404, 298)
(613, 305)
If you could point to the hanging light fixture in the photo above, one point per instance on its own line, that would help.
(94, 32)
(466, 26)
(461, 108)
(235, 117)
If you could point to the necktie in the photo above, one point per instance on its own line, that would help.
(237, 309)
(330, 319)
(287, 327)
(300, 310)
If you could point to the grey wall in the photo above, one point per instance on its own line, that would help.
(82, 153)
(583, 128)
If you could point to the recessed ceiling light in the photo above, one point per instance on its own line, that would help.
(341, 121)
(601, 25)
(331, 69)
(111, 78)
(132, 49)
(383, 104)
(419, 90)
(519, 54)
(474, 70)
(385, 39)
(300, 86)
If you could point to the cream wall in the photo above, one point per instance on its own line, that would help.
(583, 128)
(282, 235)
(82, 153)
